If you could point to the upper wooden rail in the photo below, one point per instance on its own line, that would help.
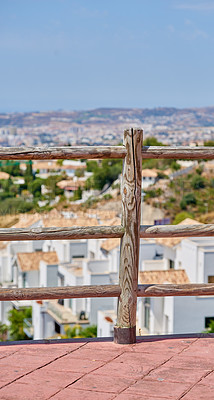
(99, 152)
(85, 232)
(181, 152)
(65, 152)
(171, 231)
(104, 232)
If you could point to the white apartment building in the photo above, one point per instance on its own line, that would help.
(185, 261)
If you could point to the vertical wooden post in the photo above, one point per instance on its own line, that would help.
(125, 330)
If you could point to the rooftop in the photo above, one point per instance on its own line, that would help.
(161, 367)
(31, 261)
(170, 276)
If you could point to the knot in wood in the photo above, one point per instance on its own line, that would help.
(125, 190)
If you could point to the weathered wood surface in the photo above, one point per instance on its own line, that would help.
(86, 232)
(98, 152)
(68, 292)
(190, 289)
(104, 232)
(172, 231)
(129, 252)
(66, 152)
(181, 152)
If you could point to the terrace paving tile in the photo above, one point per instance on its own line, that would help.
(164, 368)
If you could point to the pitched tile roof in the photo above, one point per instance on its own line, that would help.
(110, 244)
(31, 261)
(149, 173)
(66, 222)
(170, 276)
(4, 175)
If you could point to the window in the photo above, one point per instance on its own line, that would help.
(208, 320)
(171, 264)
(147, 312)
(211, 279)
(24, 279)
(57, 328)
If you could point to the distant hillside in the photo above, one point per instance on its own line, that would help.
(190, 116)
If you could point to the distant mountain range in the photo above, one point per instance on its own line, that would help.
(203, 116)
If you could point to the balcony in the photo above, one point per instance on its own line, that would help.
(171, 367)
(63, 315)
(155, 368)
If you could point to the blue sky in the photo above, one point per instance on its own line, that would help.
(65, 54)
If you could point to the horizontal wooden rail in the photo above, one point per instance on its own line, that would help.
(190, 289)
(105, 232)
(172, 231)
(70, 292)
(51, 293)
(85, 232)
(181, 152)
(99, 152)
(66, 152)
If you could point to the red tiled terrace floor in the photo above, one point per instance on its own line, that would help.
(162, 368)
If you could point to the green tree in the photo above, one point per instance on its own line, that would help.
(91, 165)
(188, 199)
(14, 206)
(209, 143)
(78, 332)
(28, 175)
(35, 187)
(3, 332)
(198, 182)
(16, 319)
(11, 167)
(77, 194)
(152, 141)
(79, 172)
(181, 216)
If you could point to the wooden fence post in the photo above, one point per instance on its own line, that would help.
(125, 330)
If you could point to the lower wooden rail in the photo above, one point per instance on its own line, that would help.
(189, 289)
(72, 292)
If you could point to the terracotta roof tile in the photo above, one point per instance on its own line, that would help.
(110, 244)
(170, 276)
(66, 222)
(31, 261)
(149, 173)
(4, 175)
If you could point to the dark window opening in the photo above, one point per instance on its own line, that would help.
(57, 328)
(208, 320)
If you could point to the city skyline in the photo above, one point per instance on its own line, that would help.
(64, 54)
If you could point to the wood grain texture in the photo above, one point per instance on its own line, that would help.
(68, 292)
(190, 289)
(181, 152)
(66, 152)
(172, 231)
(99, 152)
(129, 252)
(86, 232)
